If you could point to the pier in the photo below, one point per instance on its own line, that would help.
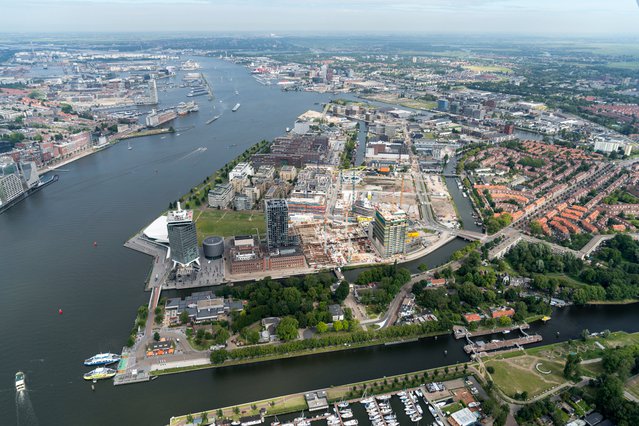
(474, 348)
(462, 332)
(126, 371)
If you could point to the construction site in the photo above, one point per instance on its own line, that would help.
(343, 234)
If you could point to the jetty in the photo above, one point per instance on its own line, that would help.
(461, 332)
(476, 347)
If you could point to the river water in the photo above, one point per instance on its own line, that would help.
(48, 262)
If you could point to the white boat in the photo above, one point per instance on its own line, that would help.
(419, 409)
(367, 401)
(21, 385)
(351, 422)
(236, 107)
(343, 404)
(416, 418)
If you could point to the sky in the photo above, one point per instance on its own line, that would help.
(526, 17)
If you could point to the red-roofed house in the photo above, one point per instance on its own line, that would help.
(502, 312)
(472, 317)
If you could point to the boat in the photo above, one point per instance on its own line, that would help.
(236, 107)
(102, 359)
(100, 373)
(506, 331)
(20, 382)
(237, 92)
(213, 119)
(129, 148)
(351, 422)
(197, 92)
(343, 404)
(367, 401)
(416, 418)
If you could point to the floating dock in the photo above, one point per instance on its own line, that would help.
(501, 344)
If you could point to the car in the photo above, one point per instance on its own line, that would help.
(474, 391)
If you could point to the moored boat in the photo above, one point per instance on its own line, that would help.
(20, 382)
(100, 373)
(105, 358)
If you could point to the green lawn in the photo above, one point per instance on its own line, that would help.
(593, 369)
(227, 223)
(632, 386)
(518, 374)
(452, 408)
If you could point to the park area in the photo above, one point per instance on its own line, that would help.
(227, 223)
(526, 375)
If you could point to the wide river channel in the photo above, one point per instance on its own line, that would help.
(48, 262)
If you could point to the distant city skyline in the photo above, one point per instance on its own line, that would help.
(540, 17)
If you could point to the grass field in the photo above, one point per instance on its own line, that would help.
(405, 102)
(593, 369)
(228, 223)
(518, 374)
(632, 386)
(488, 68)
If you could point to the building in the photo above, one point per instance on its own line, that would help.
(464, 417)
(247, 256)
(242, 202)
(201, 306)
(288, 173)
(221, 196)
(182, 237)
(10, 188)
(443, 105)
(336, 312)
(389, 232)
(276, 223)
(241, 171)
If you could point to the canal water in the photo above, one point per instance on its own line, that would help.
(48, 262)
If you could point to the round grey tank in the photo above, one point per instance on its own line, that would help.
(213, 247)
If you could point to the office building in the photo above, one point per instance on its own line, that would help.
(389, 231)
(443, 105)
(221, 196)
(10, 188)
(182, 237)
(277, 223)
(241, 171)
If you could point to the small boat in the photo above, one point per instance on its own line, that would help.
(506, 331)
(60, 312)
(351, 422)
(367, 401)
(100, 373)
(102, 359)
(343, 404)
(213, 119)
(236, 107)
(129, 146)
(416, 418)
(20, 382)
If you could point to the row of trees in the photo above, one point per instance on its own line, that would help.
(328, 340)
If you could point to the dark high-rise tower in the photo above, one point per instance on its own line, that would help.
(182, 237)
(277, 223)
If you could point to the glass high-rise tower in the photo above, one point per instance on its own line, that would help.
(182, 237)
(277, 223)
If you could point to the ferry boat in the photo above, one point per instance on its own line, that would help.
(185, 108)
(236, 107)
(197, 92)
(100, 373)
(20, 383)
(102, 359)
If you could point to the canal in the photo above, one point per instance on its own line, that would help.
(48, 262)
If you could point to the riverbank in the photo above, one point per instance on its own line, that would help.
(351, 392)
(302, 353)
(148, 132)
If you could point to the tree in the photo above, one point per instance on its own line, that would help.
(156, 336)
(504, 321)
(338, 325)
(342, 291)
(585, 334)
(321, 327)
(219, 356)
(184, 317)
(287, 328)
(222, 336)
(571, 369)
(490, 369)
(252, 336)
(220, 413)
(66, 108)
